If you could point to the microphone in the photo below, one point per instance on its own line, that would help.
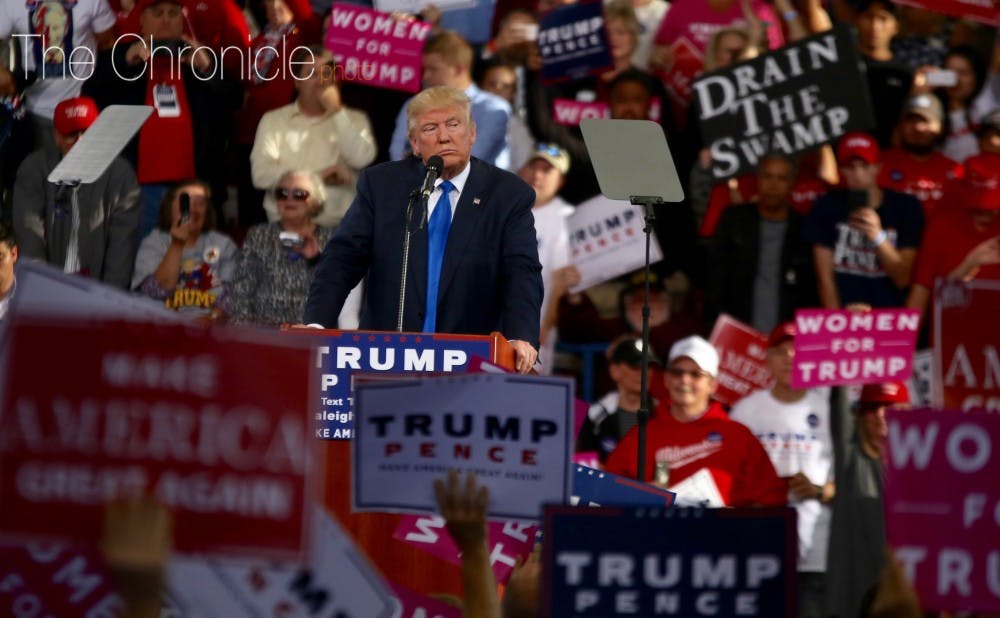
(434, 165)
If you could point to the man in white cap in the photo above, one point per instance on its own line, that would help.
(708, 457)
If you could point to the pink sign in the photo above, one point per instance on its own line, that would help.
(742, 359)
(109, 410)
(941, 505)
(374, 48)
(508, 541)
(570, 112)
(416, 605)
(985, 12)
(849, 347)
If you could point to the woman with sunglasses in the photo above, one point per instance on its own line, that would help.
(185, 263)
(278, 258)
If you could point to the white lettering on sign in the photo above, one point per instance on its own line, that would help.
(243, 437)
(968, 447)
(197, 375)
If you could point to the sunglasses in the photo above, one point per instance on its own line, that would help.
(550, 149)
(282, 193)
(677, 372)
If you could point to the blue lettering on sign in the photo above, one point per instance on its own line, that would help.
(340, 356)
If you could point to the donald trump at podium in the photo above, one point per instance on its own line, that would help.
(473, 268)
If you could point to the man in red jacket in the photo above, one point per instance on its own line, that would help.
(708, 458)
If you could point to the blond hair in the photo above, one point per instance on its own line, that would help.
(434, 98)
(451, 47)
(317, 192)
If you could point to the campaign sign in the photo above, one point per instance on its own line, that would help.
(788, 101)
(570, 112)
(850, 347)
(742, 359)
(612, 561)
(374, 48)
(573, 43)
(44, 579)
(514, 432)
(967, 345)
(942, 505)
(598, 488)
(983, 11)
(508, 541)
(339, 356)
(213, 424)
(606, 240)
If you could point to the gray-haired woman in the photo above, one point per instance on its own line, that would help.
(278, 259)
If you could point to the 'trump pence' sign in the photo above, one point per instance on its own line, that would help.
(790, 100)
(613, 561)
(513, 432)
(942, 505)
(848, 347)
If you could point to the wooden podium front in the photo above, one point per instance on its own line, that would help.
(400, 562)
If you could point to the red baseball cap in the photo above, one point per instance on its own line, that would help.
(885, 393)
(75, 115)
(781, 333)
(980, 190)
(858, 145)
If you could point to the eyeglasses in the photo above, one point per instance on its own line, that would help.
(677, 372)
(281, 193)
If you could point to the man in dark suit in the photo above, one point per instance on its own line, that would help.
(482, 259)
(760, 269)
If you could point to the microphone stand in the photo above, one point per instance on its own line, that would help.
(415, 196)
(647, 202)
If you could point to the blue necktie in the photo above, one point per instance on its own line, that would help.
(437, 238)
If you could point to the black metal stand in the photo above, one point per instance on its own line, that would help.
(415, 196)
(648, 203)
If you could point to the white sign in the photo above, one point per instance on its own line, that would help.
(415, 6)
(513, 432)
(339, 581)
(606, 240)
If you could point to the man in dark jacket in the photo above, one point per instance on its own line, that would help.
(193, 104)
(759, 268)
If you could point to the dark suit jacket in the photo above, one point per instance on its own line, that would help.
(490, 278)
(732, 266)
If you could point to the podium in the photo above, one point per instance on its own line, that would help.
(341, 353)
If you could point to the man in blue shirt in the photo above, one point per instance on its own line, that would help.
(447, 61)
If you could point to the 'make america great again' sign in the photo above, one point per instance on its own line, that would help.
(791, 100)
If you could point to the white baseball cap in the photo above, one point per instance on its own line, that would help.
(700, 351)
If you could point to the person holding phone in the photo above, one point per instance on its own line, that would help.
(864, 238)
(185, 263)
(278, 259)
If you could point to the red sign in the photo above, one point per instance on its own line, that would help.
(742, 359)
(941, 505)
(508, 541)
(966, 346)
(984, 11)
(374, 48)
(43, 579)
(212, 424)
(850, 347)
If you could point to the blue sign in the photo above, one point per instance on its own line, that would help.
(573, 43)
(341, 355)
(598, 488)
(614, 561)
